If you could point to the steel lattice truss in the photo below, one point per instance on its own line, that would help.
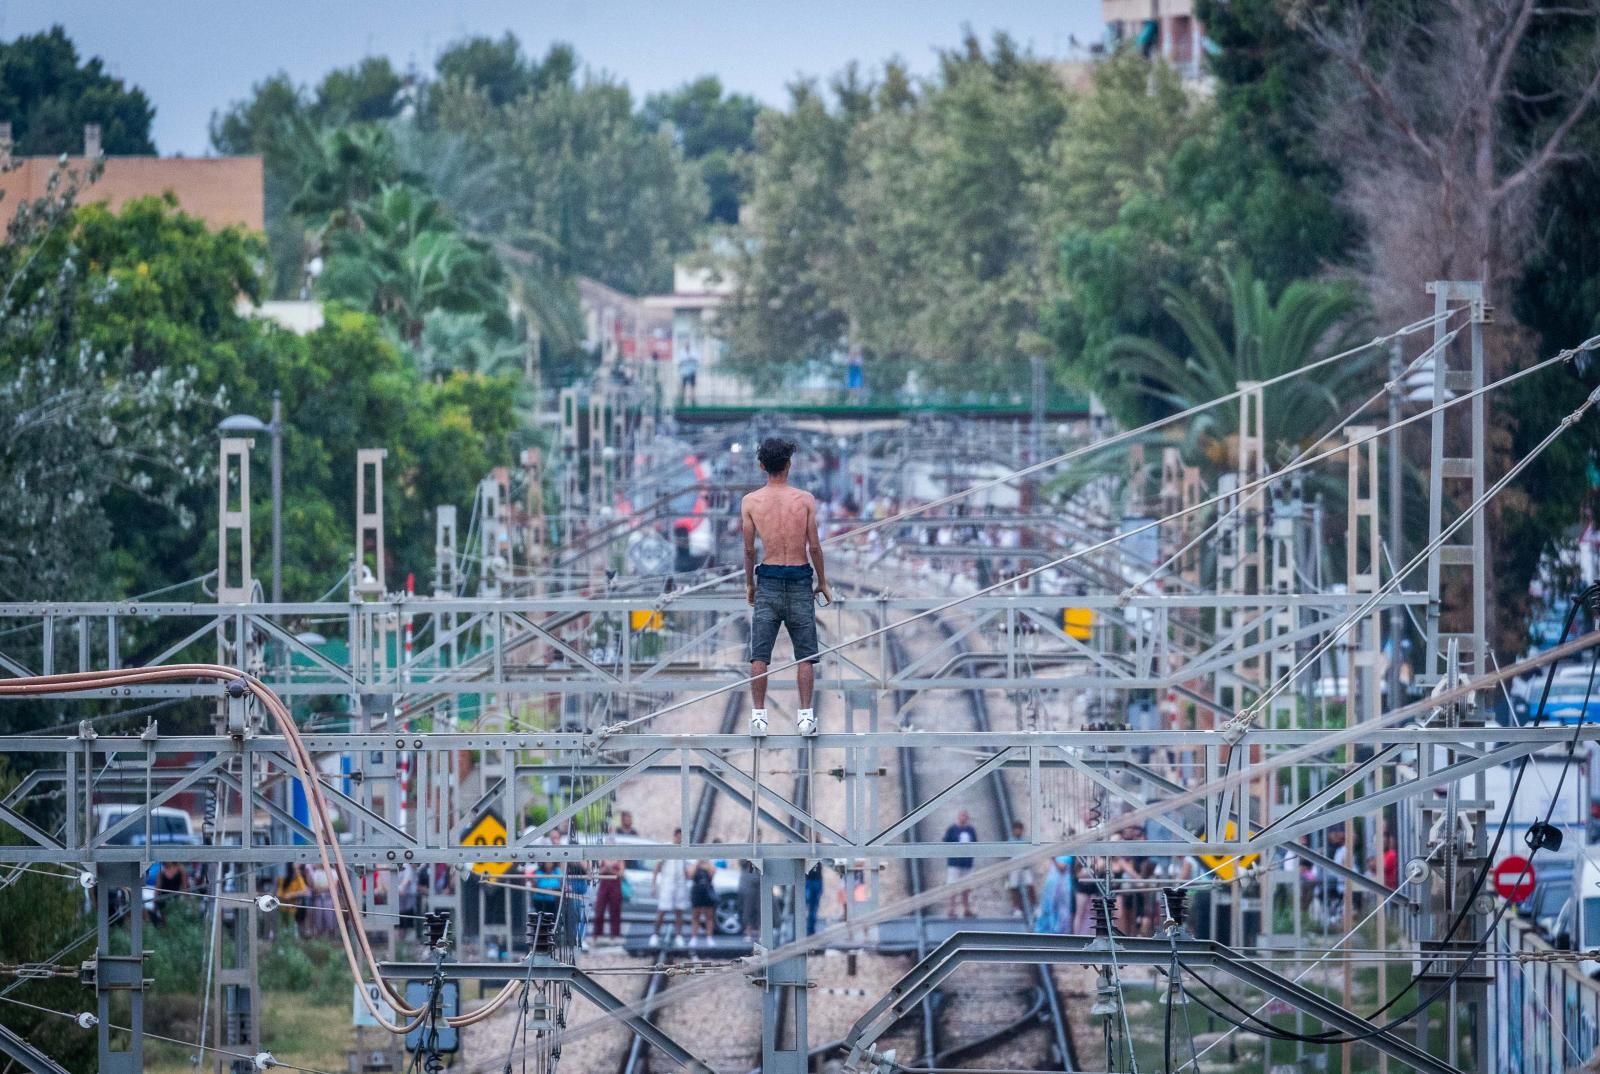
(141, 767)
(582, 645)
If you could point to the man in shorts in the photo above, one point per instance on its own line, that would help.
(781, 590)
(1019, 881)
(958, 868)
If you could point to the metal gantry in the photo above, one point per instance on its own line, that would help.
(483, 689)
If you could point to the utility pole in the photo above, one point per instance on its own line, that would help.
(1397, 615)
(277, 496)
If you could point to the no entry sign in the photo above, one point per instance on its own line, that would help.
(1513, 878)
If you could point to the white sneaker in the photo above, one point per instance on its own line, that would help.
(694, 941)
(806, 721)
(758, 723)
(677, 941)
(655, 940)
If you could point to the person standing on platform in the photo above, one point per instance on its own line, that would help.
(1056, 903)
(702, 903)
(1019, 881)
(956, 869)
(688, 374)
(608, 899)
(783, 589)
(672, 893)
(813, 897)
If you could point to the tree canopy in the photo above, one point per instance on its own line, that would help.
(48, 94)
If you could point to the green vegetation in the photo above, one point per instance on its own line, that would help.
(48, 95)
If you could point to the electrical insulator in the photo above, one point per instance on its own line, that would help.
(438, 922)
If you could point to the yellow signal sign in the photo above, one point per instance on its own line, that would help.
(488, 831)
(1228, 866)
(645, 619)
(1078, 623)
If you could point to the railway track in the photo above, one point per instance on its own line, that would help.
(1005, 1015)
(637, 1059)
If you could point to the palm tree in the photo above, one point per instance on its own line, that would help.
(478, 187)
(462, 341)
(1260, 339)
(406, 258)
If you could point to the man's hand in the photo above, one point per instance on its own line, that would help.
(750, 594)
(825, 592)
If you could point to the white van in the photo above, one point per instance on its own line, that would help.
(167, 826)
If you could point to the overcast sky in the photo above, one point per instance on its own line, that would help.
(192, 57)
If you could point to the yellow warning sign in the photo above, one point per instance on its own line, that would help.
(488, 831)
(645, 619)
(1226, 867)
(1078, 623)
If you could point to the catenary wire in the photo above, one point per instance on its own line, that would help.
(1099, 445)
(1589, 344)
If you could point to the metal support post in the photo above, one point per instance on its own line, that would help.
(369, 521)
(234, 581)
(277, 497)
(599, 495)
(118, 887)
(1397, 553)
(784, 1048)
(1362, 573)
(1457, 457)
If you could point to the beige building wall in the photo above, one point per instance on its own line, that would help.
(222, 191)
(1180, 31)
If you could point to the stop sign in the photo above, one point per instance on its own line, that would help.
(1513, 878)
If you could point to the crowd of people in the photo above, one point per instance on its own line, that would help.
(1131, 883)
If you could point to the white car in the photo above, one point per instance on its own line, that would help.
(168, 827)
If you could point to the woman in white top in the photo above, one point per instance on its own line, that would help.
(671, 887)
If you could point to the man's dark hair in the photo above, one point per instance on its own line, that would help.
(774, 454)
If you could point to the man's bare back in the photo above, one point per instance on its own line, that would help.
(782, 591)
(783, 517)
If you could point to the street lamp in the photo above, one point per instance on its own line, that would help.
(248, 425)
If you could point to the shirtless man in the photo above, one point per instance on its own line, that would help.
(781, 588)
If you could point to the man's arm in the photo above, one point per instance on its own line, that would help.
(749, 525)
(815, 551)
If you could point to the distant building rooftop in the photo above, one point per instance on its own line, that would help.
(222, 191)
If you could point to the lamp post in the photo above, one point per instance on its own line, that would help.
(246, 424)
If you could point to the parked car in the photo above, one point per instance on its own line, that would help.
(167, 826)
(1551, 896)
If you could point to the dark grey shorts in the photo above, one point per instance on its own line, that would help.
(788, 601)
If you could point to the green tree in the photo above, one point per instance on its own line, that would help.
(96, 402)
(402, 258)
(340, 168)
(48, 96)
(499, 70)
(785, 316)
(714, 130)
(619, 203)
(122, 347)
(907, 221)
(1153, 186)
(371, 90)
(39, 917)
(1261, 337)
